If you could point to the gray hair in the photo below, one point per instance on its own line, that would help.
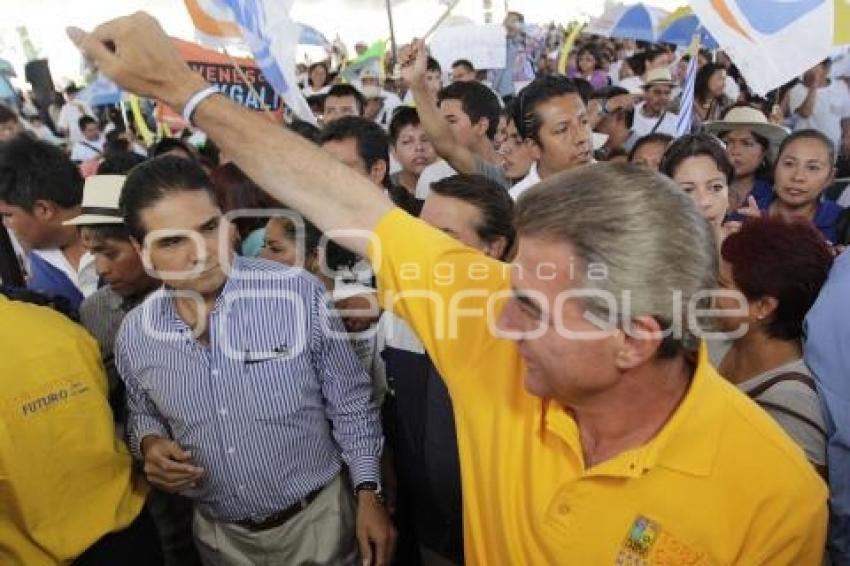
(656, 246)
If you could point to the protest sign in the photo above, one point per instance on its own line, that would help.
(483, 45)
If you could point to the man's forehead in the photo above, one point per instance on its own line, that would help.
(180, 210)
(337, 101)
(565, 106)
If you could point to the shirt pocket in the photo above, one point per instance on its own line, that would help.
(281, 381)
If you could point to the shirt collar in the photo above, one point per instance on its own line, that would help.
(687, 443)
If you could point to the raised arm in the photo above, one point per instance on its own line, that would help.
(135, 52)
(414, 61)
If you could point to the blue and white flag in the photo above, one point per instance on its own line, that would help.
(686, 109)
(311, 36)
(270, 34)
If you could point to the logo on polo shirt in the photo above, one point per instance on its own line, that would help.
(647, 543)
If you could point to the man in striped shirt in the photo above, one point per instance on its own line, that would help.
(243, 393)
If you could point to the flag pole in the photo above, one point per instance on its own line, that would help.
(437, 24)
(248, 83)
(392, 32)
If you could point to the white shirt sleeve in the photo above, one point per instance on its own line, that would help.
(62, 122)
(797, 96)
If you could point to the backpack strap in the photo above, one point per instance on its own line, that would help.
(787, 376)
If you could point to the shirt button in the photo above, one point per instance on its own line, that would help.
(563, 509)
(222, 411)
(231, 450)
(215, 372)
(242, 487)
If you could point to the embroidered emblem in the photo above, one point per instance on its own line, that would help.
(648, 544)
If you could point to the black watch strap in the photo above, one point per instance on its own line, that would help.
(367, 486)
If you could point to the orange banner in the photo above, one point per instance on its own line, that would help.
(218, 70)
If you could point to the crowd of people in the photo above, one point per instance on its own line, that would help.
(471, 317)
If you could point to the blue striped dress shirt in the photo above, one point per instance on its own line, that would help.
(270, 408)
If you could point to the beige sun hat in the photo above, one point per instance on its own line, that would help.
(660, 76)
(101, 194)
(749, 118)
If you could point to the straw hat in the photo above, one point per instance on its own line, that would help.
(749, 118)
(660, 76)
(100, 201)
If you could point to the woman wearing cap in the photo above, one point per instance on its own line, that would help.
(751, 143)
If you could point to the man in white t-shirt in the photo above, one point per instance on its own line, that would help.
(652, 115)
(90, 146)
(820, 103)
(69, 117)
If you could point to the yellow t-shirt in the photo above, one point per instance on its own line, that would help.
(720, 484)
(65, 477)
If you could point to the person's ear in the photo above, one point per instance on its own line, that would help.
(44, 210)
(534, 147)
(378, 172)
(496, 248)
(639, 343)
(481, 127)
(763, 308)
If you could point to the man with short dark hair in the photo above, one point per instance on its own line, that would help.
(411, 147)
(342, 100)
(40, 188)
(126, 284)
(364, 146)
(118, 265)
(243, 393)
(463, 71)
(433, 81)
(614, 118)
(10, 123)
(478, 213)
(550, 115)
(90, 146)
(461, 125)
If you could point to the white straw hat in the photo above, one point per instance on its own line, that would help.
(101, 194)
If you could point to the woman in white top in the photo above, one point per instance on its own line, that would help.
(779, 268)
(318, 79)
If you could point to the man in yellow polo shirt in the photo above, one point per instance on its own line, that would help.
(67, 490)
(586, 434)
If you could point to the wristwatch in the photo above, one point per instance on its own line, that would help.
(370, 486)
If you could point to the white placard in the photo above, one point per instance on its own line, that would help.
(483, 45)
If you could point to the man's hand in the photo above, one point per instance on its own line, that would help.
(375, 533)
(414, 63)
(167, 465)
(136, 53)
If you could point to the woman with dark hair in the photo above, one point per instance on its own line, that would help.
(318, 79)
(804, 168)
(709, 100)
(239, 195)
(699, 164)
(649, 150)
(779, 268)
(751, 143)
(588, 67)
